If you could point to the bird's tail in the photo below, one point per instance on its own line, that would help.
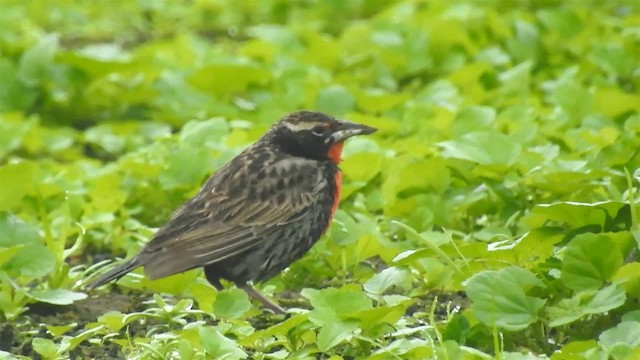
(116, 273)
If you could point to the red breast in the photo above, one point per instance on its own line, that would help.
(335, 154)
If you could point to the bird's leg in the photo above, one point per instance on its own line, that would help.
(256, 295)
(214, 280)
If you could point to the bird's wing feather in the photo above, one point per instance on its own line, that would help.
(229, 217)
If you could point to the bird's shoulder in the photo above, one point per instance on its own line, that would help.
(261, 172)
(260, 185)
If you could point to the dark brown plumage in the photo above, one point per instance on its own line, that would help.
(259, 212)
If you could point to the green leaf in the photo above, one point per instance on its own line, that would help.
(97, 60)
(45, 347)
(36, 62)
(575, 214)
(15, 180)
(473, 118)
(589, 261)
(185, 351)
(14, 96)
(7, 253)
(335, 100)
(209, 133)
(228, 77)
(105, 137)
(362, 167)
(570, 96)
(622, 341)
(34, 259)
(114, 320)
(613, 59)
(613, 102)
(377, 100)
(387, 278)
(231, 303)
(410, 348)
(218, 346)
(333, 304)
(585, 303)
(57, 296)
(486, 148)
(60, 330)
(607, 299)
(628, 277)
(185, 168)
(562, 21)
(333, 333)
(499, 298)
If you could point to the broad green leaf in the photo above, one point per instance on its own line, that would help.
(285, 327)
(105, 137)
(576, 214)
(585, 303)
(98, 59)
(613, 59)
(228, 78)
(15, 181)
(14, 96)
(589, 261)
(231, 303)
(34, 259)
(207, 133)
(400, 180)
(628, 277)
(372, 318)
(333, 304)
(411, 348)
(6, 253)
(36, 63)
(114, 320)
(203, 293)
(387, 278)
(622, 341)
(185, 168)
(333, 333)
(499, 298)
(362, 167)
(60, 329)
(13, 128)
(218, 345)
(609, 298)
(57, 296)
(485, 148)
(378, 100)
(571, 96)
(516, 80)
(45, 347)
(335, 100)
(562, 21)
(474, 118)
(613, 102)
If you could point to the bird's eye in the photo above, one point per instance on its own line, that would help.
(319, 130)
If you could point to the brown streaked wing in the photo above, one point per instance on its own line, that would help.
(229, 222)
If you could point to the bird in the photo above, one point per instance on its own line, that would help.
(259, 212)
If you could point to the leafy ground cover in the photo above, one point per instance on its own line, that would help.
(495, 213)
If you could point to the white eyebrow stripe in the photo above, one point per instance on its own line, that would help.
(302, 125)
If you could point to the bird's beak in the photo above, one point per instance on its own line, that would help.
(347, 129)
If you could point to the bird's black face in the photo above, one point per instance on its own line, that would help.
(315, 135)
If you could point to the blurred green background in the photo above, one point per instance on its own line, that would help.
(505, 165)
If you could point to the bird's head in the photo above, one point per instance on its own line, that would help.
(315, 135)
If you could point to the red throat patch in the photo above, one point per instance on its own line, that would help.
(335, 152)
